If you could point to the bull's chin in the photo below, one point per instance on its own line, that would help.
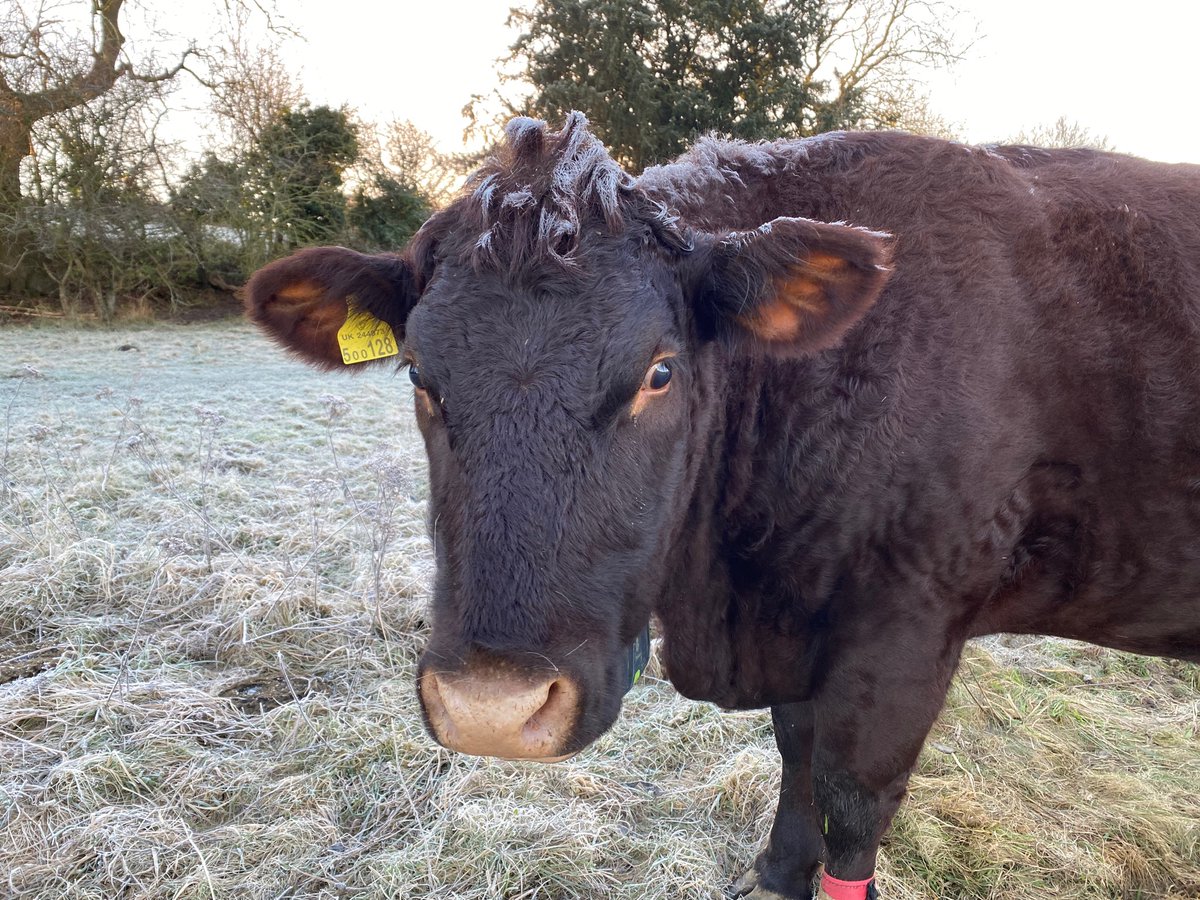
(536, 759)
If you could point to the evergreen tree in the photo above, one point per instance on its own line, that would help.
(385, 214)
(653, 74)
(295, 174)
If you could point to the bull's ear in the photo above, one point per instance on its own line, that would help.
(792, 286)
(303, 300)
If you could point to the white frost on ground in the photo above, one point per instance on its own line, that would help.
(213, 578)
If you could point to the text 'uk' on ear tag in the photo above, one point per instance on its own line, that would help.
(364, 338)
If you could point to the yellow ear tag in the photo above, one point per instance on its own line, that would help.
(364, 338)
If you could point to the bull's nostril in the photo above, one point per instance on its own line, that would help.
(548, 722)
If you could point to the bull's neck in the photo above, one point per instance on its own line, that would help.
(781, 445)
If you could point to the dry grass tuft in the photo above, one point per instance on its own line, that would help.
(213, 590)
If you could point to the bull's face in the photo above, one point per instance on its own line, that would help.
(565, 410)
(557, 419)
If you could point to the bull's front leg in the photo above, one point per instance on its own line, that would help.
(871, 717)
(847, 756)
(787, 866)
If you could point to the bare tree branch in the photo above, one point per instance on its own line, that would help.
(46, 69)
(168, 74)
(101, 76)
(869, 48)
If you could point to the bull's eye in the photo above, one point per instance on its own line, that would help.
(658, 377)
(655, 383)
(414, 375)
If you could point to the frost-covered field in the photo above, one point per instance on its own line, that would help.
(213, 573)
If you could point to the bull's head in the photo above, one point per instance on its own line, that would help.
(569, 346)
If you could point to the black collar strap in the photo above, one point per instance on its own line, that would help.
(637, 655)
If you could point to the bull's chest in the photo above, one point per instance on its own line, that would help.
(746, 647)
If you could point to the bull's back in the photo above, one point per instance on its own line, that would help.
(1085, 328)
(1116, 379)
(1082, 347)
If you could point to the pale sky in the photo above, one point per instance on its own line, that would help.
(1131, 76)
(1130, 72)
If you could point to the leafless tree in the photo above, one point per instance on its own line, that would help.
(57, 55)
(47, 67)
(1063, 133)
(96, 228)
(83, 176)
(911, 109)
(868, 51)
(404, 151)
(251, 86)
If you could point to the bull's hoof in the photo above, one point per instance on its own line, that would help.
(747, 887)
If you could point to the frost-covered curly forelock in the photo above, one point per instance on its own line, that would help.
(531, 202)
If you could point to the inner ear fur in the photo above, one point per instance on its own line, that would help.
(302, 300)
(794, 286)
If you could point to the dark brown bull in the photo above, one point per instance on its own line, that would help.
(824, 455)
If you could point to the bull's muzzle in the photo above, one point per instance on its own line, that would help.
(511, 715)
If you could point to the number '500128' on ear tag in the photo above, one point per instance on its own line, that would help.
(364, 338)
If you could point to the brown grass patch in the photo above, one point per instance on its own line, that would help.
(213, 593)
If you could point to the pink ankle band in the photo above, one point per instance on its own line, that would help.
(844, 890)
